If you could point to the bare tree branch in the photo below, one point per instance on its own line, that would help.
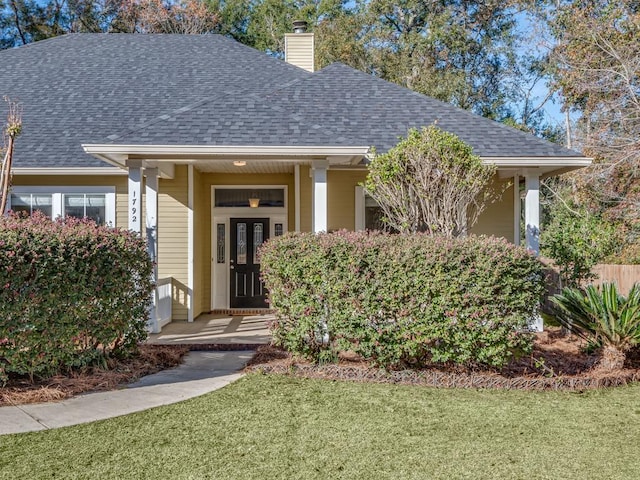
(12, 130)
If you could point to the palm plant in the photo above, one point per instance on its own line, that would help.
(603, 316)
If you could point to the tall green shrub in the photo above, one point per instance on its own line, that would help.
(430, 182)
(71, 294)
(577, 241)
(401, 300)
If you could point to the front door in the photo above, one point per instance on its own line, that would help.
(247, 234)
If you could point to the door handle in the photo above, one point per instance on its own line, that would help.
(231, 267)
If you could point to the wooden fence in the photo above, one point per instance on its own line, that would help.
(622, 275)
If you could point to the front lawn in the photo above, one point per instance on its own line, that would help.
(279, 427)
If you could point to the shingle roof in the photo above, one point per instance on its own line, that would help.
(336, 106)
(193, 90)
(80, 88)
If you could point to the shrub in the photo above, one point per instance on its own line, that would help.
(577, 242)
(71, 294)
(430, 182)
(401, 300)
(603, 317)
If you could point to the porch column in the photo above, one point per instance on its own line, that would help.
(532, 211)
(190, 245)
(516, 209)
(296, 178)
(151, 224)
(320, 204)
(135, 196)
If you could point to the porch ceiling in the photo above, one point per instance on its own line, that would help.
(255, 166)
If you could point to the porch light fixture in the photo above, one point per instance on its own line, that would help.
(239, 163)
(254, 201)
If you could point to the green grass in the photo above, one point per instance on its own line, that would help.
(266, 427)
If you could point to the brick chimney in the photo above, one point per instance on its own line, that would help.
(299, 47)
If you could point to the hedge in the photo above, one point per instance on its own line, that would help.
(72, 293)
(402, 300)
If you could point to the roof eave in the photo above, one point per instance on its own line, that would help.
(525, 162)
(542, 166)
(68, 171)
(118, 155)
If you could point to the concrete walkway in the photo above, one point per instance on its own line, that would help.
(201, 372)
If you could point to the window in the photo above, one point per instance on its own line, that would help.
(373, 215)
(239, 197)
(368, 214)
(96, 203)
(31, 202)
(220, 228)
(82, 205)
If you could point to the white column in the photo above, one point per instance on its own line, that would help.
(151, 224)
(360, 223)
(532, 211)
(532, 224)
(190, 247)
(320, 198)
(516, 209)
(151, 210)
(135, 194)
(296, 179)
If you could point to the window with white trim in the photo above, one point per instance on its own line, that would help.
(96, 203)
(373, 215)
(369, 215)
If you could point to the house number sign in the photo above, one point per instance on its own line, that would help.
(135, 199)
(134, 208)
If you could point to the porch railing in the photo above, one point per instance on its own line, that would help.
(164, 299)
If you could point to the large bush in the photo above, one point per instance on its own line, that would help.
(71, 294)
(401, 300)
(431, 182)
(577, 241)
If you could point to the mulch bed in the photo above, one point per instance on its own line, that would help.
(151, 359)
(558, 362)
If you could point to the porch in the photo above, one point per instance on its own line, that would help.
(206, 210)
(211, 329)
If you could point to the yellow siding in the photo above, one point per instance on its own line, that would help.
(173, 237)
(117, 181)
(342, 198)
(204, 207)
(497, 218)
(299, 50)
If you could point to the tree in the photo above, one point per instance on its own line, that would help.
(460, 52)
(597, 71)
(11, 131)
(26, 21)
(161, 16)
(577, 240)
(430, 182)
